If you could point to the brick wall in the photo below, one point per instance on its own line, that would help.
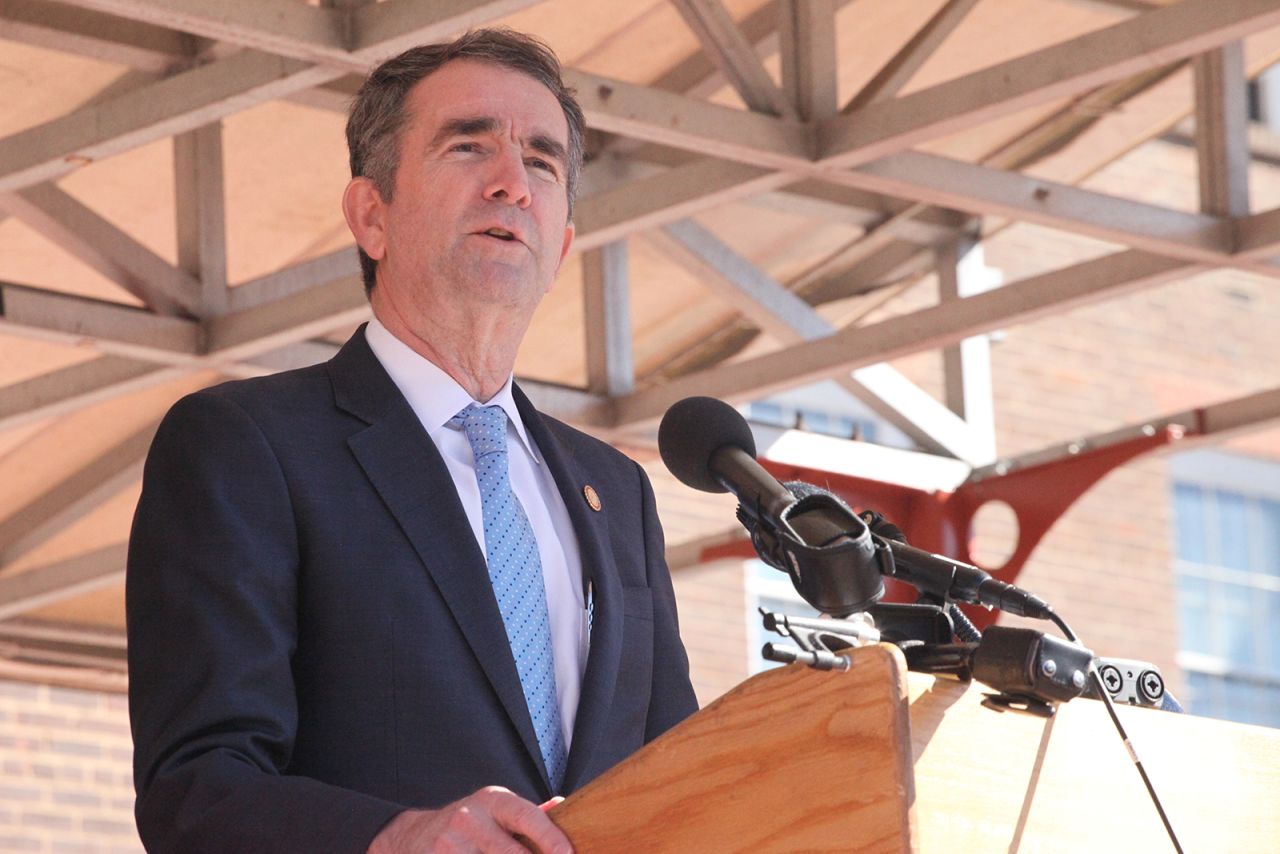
(712, 600)
(66, 784)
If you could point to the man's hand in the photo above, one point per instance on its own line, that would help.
(486, 821)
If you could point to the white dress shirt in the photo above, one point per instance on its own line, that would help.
(435, 398)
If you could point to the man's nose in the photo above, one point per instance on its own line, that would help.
(508, 180)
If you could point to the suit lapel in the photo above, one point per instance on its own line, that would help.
(605, 650)
(431, 517)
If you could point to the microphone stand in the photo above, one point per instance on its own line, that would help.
(1029, 669)
(837, 566)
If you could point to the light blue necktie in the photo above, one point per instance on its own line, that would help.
(515, 571)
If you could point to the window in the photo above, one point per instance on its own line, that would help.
(787, 417)
(1227, 564)
(1263, 98)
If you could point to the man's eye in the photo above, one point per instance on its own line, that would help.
(547, 166)
(464, 146)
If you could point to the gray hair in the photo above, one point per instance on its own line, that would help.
(378, 114)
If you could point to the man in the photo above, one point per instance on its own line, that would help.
(382, 603)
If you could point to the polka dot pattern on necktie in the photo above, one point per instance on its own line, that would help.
(515, 570)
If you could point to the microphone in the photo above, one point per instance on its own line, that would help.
(708, 445)
(939, 575)
(817, 540)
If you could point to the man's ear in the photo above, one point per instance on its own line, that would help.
(569, 231)
(364, 209)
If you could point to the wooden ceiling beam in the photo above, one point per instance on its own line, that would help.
(877, 237)
(897, 261)
(1258, 236)
(339, 264)
(734, 55)
(101, 679)
(1239, 415)
(982, 190)
(1222, 130)
(50, 632)
(573, 405)
(833, 202)
(173, 105)
(739, 283)
(251, 342)
(1174, 242)
(787, 318)
(807, 44)
(226, 343)
(899, 70)
(299, 354)
(1119, 5)
(284, 27)
(105, 326)
(65, 579)
(380, 30)
(889, 270)
(200, 209)
(933, 426)
(240, 335)
(697, 75)
(974, 188)
(157, 35)
(810, 25)
(966, 365)
(80, 231)
(652, 115)
(667, 197)
(927, 329)
(64, 27)
(818, 206)
(664, 118)
(75, 496)
(757, 139)
(352, 37)
(69, 389)
(651, 193)
(606, 308)
(1062, 70)
(1215, 422)
(334, 96)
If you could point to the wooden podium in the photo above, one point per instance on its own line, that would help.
(875, 759)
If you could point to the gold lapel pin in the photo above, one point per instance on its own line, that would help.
(593, 498)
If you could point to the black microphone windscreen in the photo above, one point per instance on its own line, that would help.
(692, 431)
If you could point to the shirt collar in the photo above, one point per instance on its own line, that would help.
(434, 396)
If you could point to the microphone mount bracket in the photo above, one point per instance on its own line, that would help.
(817, 641)
(1030, 670)
(816, 543)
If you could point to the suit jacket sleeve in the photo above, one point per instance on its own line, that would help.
(672, 698)
(211, 606)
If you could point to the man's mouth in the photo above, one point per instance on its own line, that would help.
(500, 233)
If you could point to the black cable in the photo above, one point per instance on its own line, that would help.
(964, 627)
(965, 630)
(1124, 736)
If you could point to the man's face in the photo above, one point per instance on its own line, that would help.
(480, 208)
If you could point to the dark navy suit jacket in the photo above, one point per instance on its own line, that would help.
(313, 641)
